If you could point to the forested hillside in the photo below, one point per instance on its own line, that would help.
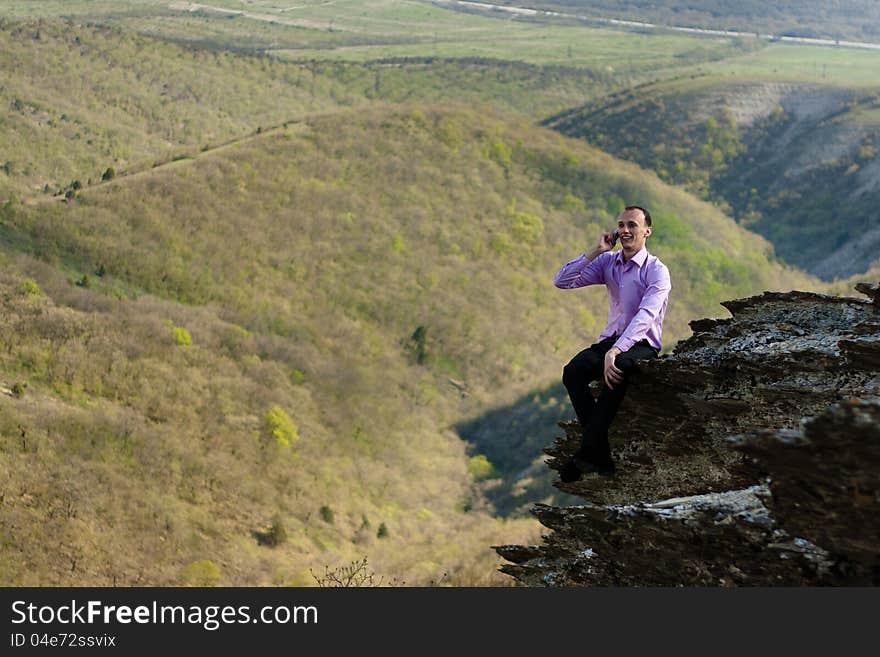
(794, 161)
(256, 357)
(276, 281)
(80, 103)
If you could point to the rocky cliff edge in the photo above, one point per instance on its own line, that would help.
(748, 456)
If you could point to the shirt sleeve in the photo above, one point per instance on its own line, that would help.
(656, 294)
(580, 272)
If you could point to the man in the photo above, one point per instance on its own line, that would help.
(638, 284)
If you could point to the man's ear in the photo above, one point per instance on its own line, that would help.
(648, 231)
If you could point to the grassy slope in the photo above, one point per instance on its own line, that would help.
(78, 99)
(373, 29)
(307, 258)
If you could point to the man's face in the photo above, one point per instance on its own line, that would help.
(632, 231)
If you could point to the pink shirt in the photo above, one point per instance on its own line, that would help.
(639, 290)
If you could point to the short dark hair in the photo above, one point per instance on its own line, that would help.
(644, 212)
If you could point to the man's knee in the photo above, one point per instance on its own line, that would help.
(626, 361)
(572, 375)
(582, 369)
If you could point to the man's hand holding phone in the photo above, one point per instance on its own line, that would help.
(607, 241)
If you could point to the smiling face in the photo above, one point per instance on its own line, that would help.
(633, 231)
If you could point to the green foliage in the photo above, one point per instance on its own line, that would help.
(277, 534)
(327, 514)
(653, 127)
(202, 573)
(32, 288)
(397, 243)
(274, 536)
(670, 231)
(772, 175)
(109, 174)
(525, 228)
(419, 341)
(572, 204)
(500, 153)
(615, 205)
(382, 532)
(281, 427)
(480, 468)
(181, 336)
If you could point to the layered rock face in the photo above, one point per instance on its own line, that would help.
(749, 456)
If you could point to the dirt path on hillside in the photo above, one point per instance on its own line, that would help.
(185, 156)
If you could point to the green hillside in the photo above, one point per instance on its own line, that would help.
(854, 19)
(258, 357)
(77, 100)
(794, 161)
(263, 313)
(369, 30)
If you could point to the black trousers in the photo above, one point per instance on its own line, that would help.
(595, 416)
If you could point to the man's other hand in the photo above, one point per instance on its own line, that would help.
(613, 375)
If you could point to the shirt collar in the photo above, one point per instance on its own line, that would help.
(639, 258)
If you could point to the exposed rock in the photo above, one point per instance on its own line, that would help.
(826, 484)
(780, 357)
(721, 539)
(872, 291)
(744, 510)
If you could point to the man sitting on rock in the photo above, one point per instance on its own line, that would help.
(638, 285)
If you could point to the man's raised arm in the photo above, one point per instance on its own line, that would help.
(585, 269)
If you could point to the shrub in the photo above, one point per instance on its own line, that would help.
(327, 514)
(501, 153)
(182, 336)
(274, 536)
(31, 288)
(277, 534)
(354, 575)
(397, 243)
(382, 531)
(281, 427)
(480, 467)
(526, 227)
(419, 340)
(200, 573)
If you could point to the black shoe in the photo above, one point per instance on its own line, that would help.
(569, 472)
(585, 466)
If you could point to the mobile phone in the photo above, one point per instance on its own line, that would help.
(614, 239)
